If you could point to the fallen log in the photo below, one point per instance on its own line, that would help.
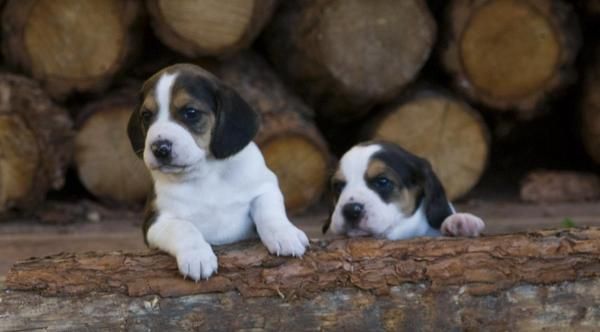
(501, 282)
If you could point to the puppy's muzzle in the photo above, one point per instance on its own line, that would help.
(162, 150)
(353, 213)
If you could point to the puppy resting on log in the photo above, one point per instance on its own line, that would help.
(385, 191)
(211, 184)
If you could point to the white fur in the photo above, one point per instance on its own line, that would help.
(213, 201)
(381, 219)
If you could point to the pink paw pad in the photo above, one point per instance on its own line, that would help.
(462, 224)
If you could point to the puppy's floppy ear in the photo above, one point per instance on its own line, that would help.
(437, 207)
(236, 123)
(135, 131)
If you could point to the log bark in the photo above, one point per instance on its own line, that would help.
(590, 108)
(511, 54)
(442, 129)
(105, 164)
(70, 45)
(505, 282)
(291, 144)
(209, 27)
(560, 186)
(35, 144)
(345, 56)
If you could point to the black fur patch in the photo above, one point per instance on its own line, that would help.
(415, 171)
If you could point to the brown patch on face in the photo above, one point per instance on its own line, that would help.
(403, 197)
(202, 129)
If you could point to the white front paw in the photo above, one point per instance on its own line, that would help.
(462, 224)
(197, 263)
(285, 241)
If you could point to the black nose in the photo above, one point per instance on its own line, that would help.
(162, 149)
(353, 212)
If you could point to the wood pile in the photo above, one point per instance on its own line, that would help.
(324, 74)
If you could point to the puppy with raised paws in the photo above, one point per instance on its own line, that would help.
(384, 191)
(211, 183)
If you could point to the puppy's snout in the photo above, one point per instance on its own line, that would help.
(162, 150)
(353, 212)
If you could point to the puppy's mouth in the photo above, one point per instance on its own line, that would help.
(357, 232)
(171, 169)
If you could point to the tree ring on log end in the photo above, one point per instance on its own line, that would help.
(300, 166)
(449, 134)
(228, 22)
(55, 27)
(509, 49)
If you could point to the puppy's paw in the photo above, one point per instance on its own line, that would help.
(285, 241)
(197, 263)
(462, 224)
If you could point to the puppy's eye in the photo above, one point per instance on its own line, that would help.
(146, 116)
(381, 183)
(337, 186)
(190, 114)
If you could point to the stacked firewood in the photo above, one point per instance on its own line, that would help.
(324, 74)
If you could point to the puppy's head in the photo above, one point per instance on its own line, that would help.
(379, 186)
(187, 115)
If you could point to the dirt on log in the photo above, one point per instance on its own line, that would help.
(209, 27)
(35, 144)
(511, 54)
(292, 146)
(346, 55)
(71, 45)
(506, 282)
(450, 134)
(106, 165)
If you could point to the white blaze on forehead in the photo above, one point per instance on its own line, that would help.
(355, 162)
(163, 94)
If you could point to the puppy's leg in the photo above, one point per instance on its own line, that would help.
(277, 233)
(462, 224)
(180, 238)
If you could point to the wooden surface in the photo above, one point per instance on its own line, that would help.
(501, 282)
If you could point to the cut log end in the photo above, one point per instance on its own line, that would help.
(510, 54)
(345, 56)
(301, 168)
(106, 165)
(70, 45)
(443, 130)
(209, 27)
(590, 109)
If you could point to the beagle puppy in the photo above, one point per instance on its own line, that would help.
(384, 191)
(211, 183)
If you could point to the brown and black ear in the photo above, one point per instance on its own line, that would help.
(135, 131)
(437, 208)
(236, 124)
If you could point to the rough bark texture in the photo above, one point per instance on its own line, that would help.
(344, 56)
(511, 54)
(35, 143)
(450, 134)
(291, 144)
(590, 108)
(507, 282)
(480, 266)
(209, 27)
(560, 186)
(70, 45)
(103, 157)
